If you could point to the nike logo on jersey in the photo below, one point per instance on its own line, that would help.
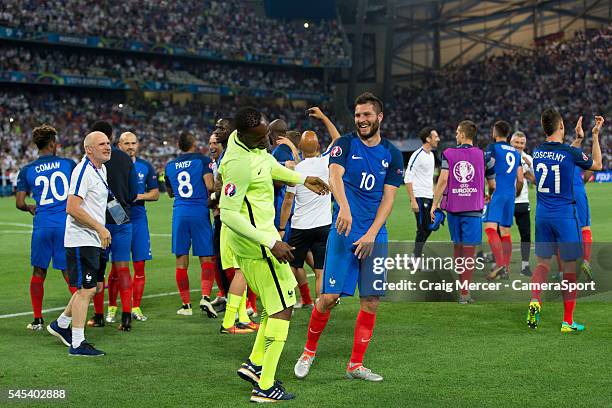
(259, 172)
(356, 157)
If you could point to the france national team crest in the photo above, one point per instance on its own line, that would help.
(230, 190)
(463, 171)
(336, 151)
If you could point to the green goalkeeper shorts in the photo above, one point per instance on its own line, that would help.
(271, 280)
(227, 255)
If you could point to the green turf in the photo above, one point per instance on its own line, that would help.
(431, 354)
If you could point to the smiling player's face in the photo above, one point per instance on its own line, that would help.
(367, 121)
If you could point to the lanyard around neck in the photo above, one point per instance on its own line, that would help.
(88, 162)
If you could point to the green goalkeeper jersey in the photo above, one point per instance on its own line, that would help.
(247, 197)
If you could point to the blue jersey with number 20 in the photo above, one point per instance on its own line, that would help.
(366, 171)
(555, 166)
(47, 179)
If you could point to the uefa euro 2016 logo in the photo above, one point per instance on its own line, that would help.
(230, 190)
(336, 151)
(463, 171)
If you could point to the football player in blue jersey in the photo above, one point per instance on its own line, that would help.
(148, 190)
(557, 225)
(47, 180)
(506, 161)
(365, 171)
(189, 179)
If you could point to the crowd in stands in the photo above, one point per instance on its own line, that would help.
(178, 71)
(228, 26)
(572, 76)
(157, 123)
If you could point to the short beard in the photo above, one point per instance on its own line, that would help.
(375, 126)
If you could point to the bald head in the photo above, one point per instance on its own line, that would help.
(97, 148)
(128, 142)
(309, 144)
(91, 139)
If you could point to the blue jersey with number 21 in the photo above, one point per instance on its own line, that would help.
(555, 166)
(47, 179)
(366, 171)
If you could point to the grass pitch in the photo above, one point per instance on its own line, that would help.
(431, 354)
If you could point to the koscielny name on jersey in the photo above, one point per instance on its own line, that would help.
(182, 164)
(47, 166)
(538, 154)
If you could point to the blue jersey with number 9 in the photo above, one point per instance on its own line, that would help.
(185, 175)
(555, 165)
(47, 179)
(366, 171)
(506, 161)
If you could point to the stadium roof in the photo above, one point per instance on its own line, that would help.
(405, 39)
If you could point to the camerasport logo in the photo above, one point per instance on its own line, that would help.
(230, 189)
(336, 151)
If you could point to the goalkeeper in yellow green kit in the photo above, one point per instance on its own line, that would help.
(247, 208)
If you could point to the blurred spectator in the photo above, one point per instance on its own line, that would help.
(161, 69)
(572, 76)
(229, 26)
(157, 123)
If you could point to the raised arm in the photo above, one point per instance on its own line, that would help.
(596, 149)
(317, 113)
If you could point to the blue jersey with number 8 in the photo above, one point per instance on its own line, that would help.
(555, 165)
(47, 179)
(366, 171)
(506, 161)
(185, 175)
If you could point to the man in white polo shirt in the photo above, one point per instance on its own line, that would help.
(419, 185)
(312, 215)
(84, 239)
(521, 202)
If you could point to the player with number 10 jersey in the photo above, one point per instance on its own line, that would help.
(365, 171)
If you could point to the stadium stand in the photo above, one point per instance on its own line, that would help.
(226, 27)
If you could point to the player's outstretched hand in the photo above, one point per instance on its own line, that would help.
(344, 221)
(579, 130)
(316, 185)
(282, 251)
(316, 113)
(599, 121)
(105, 237)
(365, 245)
